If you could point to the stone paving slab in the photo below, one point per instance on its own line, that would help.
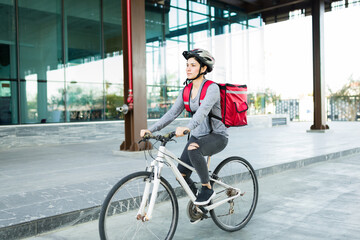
(317, 202)
(39, 184)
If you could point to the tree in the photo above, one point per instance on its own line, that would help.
(345, 103)
(259, 100)
(351, 88)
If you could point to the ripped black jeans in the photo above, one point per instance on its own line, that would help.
(208, 145)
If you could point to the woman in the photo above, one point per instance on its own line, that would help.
(208, 136)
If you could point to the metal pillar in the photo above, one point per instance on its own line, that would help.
(318, 9)
(136, 118)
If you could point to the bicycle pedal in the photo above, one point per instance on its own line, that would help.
(195, 221)
(203, 210)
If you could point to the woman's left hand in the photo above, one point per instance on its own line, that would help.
(180, 131)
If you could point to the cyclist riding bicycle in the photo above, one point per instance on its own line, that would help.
(208, 134)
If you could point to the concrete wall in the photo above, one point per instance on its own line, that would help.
(14, 136)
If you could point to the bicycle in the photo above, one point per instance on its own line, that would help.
(144, 204)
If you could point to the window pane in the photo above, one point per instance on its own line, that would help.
(8, 84)
(176, 43)
(154, 72)
(199, 31)
(84, 66)
(198, 7)
(177, 20)
(83, 40)
(178, 3)
(40, 56)
(113, 62)
(155, 102)
(8, 102)
(7, 40)
(198, 22)
(84, 102)
(55, 101)
(28, 94)
(112, 27)
(55, 95)
(114, 98)
(155, 18)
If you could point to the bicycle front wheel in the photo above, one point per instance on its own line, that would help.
(239, 174)
(118, 216)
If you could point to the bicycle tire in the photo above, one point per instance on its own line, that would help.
(239, 173)
(118, 214)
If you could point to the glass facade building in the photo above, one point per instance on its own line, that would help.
(61, 60)
(228, 34)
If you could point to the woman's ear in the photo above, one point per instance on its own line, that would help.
(203, 69)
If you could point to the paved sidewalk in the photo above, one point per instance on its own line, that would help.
(50, 186)
(317, 202)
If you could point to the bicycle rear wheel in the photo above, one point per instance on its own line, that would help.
(118, 216)
(236, 213)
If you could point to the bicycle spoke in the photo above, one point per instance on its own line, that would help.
(118, 217)
(237, 173)
(153, 233)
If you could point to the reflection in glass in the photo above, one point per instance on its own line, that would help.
(55, 101)
(87, 83)
(84, 66)
(199, 7)
(7, 40)
(92, 87)
(40, 53)
(7, 108)
(211, 26)
(113, 62)
(8, 85)
(114, 98)
(84, 101)
(83, 29)
(29, 103)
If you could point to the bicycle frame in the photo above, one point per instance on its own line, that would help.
(164, 156)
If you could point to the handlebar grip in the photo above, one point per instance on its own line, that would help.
(147, 135)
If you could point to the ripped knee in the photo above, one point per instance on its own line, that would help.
(193, 146)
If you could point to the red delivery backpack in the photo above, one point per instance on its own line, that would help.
(233, 101)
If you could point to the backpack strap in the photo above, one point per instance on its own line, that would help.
(204, 90)
(186, 96)
(208, 83)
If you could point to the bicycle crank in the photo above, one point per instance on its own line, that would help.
(194, 212)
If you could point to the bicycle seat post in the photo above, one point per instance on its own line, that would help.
(208, 161)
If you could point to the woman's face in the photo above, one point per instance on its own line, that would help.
(192, 68)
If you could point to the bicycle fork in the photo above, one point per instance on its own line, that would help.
(154, 180)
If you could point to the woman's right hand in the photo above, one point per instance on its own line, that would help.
(143, 132)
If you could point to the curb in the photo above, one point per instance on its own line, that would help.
(43, 225)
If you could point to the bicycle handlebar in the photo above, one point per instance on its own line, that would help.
(162, 138)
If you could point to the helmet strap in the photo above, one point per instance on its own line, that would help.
(189, 80)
